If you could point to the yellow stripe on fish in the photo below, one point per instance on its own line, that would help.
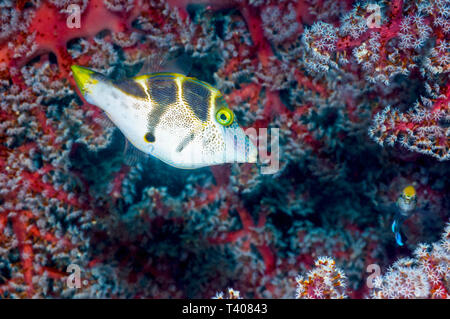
(181, 120)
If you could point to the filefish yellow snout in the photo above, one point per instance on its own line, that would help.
(183, 121)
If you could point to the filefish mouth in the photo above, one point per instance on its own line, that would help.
(83, 78)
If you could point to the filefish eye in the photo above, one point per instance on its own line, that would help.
(224, 116)
(149, 137)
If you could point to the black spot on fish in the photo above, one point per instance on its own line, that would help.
(197, 96)
(130, 87)
(149, 137)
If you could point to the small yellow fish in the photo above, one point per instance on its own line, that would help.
(407, 200)
(182, 121)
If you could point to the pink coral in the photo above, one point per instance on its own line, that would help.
(427, 275)
(325, 281)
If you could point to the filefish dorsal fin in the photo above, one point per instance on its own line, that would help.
(156, 63)
(153, 64)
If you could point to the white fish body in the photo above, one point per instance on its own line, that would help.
(180, 120)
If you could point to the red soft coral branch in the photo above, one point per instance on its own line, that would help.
(52, 32)
(36, 184)
(25, 247)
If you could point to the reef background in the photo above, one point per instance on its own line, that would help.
(309, 67)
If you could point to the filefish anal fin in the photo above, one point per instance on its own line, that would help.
(132, 155)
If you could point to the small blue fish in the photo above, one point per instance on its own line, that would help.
(396, 231)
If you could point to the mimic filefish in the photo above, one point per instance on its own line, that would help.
(406, 204)
(181, 120)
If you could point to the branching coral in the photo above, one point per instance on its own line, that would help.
(318, 73)
(424, 276)
(323, 282)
